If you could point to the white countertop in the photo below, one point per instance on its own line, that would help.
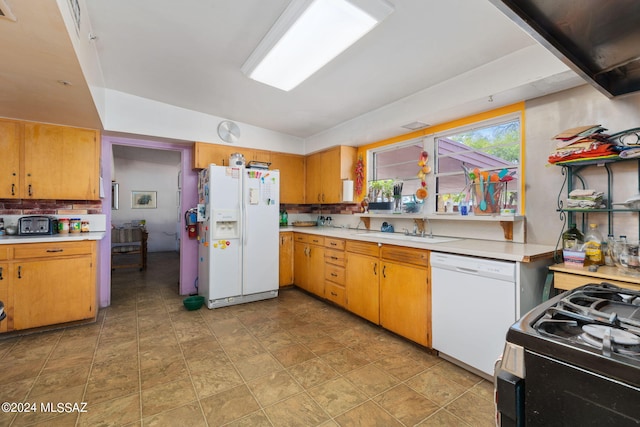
(507, 251)
(69, 237)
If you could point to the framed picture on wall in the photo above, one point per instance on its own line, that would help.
(144, 199)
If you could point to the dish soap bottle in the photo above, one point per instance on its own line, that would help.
(284, 218)
(593, 246)
(572, 238)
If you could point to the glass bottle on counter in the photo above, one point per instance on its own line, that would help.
(609, 251)
(593, 246)
(572, 238)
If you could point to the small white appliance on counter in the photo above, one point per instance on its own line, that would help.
(238, 234)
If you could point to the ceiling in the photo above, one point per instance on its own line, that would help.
(189, 53)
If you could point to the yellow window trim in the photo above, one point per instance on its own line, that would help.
(465, 121)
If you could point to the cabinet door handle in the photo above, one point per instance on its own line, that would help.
(375, 269)
(334, 258)
(30, 190)
(334, 275)
(1, 278)
(318, 196)
(334, 294)
(334, 244)
(13, 189)
(384, 271)
(55, 250)
(19, 272)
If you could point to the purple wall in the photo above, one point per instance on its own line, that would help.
(189, 198)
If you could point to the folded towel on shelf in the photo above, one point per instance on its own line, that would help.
(594, 150)
(586, 198)
(630, 153)
(587, 192)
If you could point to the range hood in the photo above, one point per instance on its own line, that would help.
(598, 39)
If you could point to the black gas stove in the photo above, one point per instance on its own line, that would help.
(573, 360)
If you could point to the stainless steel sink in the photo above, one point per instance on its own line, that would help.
(405, 238)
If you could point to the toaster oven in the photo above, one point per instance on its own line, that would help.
(37, 225)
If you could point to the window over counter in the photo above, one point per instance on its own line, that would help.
(491, 142)
(391, 165)
(490, 148)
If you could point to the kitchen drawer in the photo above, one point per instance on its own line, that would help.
(334, 243)
(334, 274)
(316, 240)
(5, 252)
(301, 237)
(334, 257)
(363, 248)
(48, 250)
(308, 238)
(568, 281)
(407, 255)
(335, 293)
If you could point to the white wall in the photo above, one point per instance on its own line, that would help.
(137, 175)
(551, 114)
(140, 116)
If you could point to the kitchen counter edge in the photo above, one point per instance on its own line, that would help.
(53, 238)
(505, 251)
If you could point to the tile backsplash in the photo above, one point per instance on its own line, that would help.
(49, 207)
(341, 208)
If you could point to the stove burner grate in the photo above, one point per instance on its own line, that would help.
(611, 340)
(602, 317)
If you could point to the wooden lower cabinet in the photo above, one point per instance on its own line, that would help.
(52, 291)
(334, 271)
(48, 284)
(4, 294)
(385, 284)
(389, 286)
(405, 293)
(567, 278)
(285, 271)
(308, 258)
(362, 280)
(405, 301)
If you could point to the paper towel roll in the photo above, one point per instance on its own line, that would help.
(347, 190)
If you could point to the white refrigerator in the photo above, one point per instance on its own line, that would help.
(238, 228)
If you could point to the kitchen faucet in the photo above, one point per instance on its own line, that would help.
(430, 229)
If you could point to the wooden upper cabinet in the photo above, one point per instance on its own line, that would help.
(325, 172)
(61, 162)
(11, 149)
(205, 154)
(292, 176)
(316, 178)
(256, 155)
(313, 174)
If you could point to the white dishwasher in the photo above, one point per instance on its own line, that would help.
(473, 304)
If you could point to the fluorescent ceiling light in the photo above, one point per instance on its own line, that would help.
(308, 35)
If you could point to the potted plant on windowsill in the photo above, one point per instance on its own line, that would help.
(381, 196)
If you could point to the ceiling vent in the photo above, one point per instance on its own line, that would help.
(415, 125)
(5, 12)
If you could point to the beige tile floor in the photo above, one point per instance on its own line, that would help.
(290, 361)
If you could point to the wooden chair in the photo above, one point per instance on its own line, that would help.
(129, 248)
